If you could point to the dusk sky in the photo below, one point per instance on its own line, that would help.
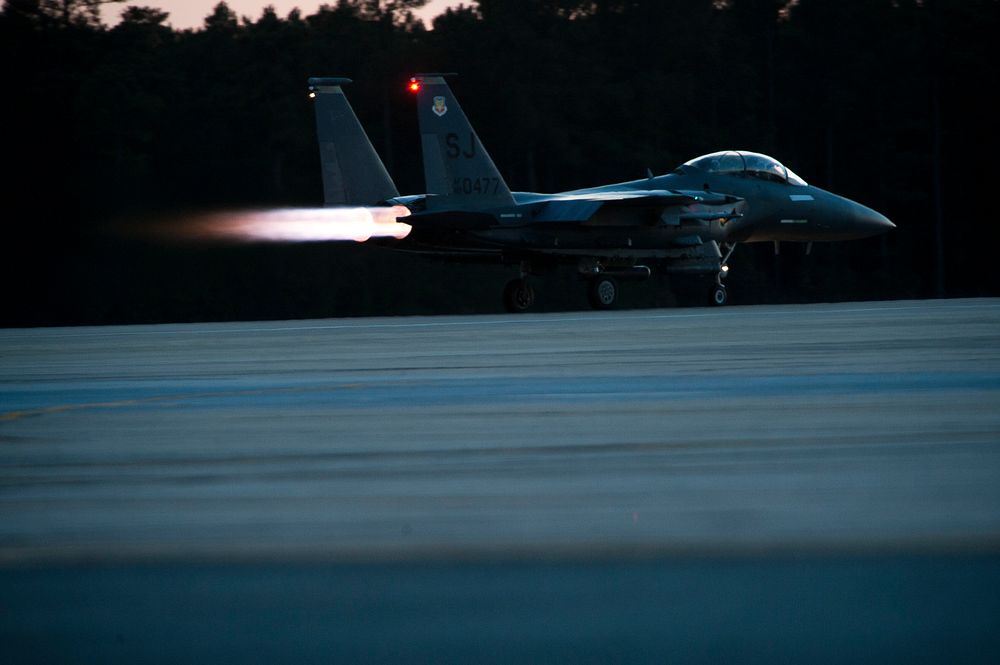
(192, 13)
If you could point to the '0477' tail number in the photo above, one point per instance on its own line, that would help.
(475, 185)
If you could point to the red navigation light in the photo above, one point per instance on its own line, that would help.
(414, 85)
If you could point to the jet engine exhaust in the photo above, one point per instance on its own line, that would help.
(294, 225)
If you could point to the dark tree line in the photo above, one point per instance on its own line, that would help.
(883, 101)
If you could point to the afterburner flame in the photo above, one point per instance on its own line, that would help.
(299, 225)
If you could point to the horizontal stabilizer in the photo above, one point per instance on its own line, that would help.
(452, 219)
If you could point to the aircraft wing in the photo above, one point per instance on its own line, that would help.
(668, 204)
(670, 207)
(666, 196)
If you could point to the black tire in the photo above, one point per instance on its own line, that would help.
(518, 296)
(603, 292)
(718, 296)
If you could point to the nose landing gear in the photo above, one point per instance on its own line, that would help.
(717, 295)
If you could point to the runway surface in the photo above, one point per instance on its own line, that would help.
(835, 459)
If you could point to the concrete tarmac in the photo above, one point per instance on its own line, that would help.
(863, 425)
(549, 445)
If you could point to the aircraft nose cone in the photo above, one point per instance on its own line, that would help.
(868, 222)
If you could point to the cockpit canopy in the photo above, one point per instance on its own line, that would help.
(754, 164)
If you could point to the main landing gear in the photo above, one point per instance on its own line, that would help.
(518, 296)
(602, 285)
(602, 292)
(602, 281)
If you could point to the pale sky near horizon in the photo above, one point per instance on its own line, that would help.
(192, 13)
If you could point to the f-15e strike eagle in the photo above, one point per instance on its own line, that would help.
(688, 221)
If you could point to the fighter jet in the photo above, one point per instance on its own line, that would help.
(688, 221)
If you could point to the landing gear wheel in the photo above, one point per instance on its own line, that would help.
(718, 295)
(518, 296)
(603, 292)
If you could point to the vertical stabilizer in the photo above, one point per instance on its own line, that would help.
(353, 174)
(456, 165)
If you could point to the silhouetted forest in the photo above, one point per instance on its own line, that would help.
(111, 128)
